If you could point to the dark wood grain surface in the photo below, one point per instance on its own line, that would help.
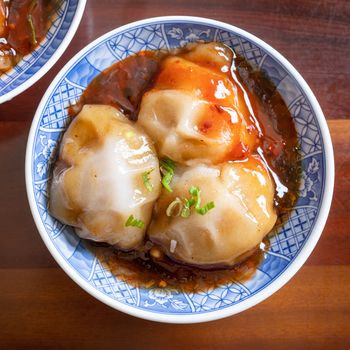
(42, 308)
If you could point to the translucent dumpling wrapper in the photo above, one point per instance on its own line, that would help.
(196, 112)
(99, 179)
(243, 215)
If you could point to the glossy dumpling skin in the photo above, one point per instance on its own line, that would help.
(195, 112)
(97, 182)
(243, 195)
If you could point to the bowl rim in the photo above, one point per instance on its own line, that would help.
(276, 284)
(53, 59)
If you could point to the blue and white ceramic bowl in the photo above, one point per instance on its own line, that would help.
(34, 65)
(289, 248)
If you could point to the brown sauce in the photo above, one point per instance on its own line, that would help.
(140, 268)
(122, 85)
(23, 25)
(279, 146)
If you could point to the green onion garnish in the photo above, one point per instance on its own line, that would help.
(195, 201)
(195, 193)
(134, 222)
(167, 164)
(31, 24)
(147, 181)
(186, 211)
(166, 181)
(30, 21)
(175, 207)
(206, 208)
(167, 167)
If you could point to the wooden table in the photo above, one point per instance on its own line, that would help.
(41, 307)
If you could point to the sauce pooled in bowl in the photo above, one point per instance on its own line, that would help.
(225, 152)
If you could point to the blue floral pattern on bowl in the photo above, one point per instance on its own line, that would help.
(33, 62)
(291, 236)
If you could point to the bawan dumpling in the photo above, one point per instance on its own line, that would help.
(243, 194)
(195, 112)
(99, 179)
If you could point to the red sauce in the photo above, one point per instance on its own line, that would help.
(268, 120)
(227, 112)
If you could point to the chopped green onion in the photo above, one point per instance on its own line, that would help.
(167, 167)
(175, 207)
(31, 24)
(166, 181)
(167, 164)
(195, 201)
(195, 193)
(206, 208)
(189, 203)
(194, 190)
(134, 222)
(30, 21)
(183, 207)
(186, 211)
(147, 181)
